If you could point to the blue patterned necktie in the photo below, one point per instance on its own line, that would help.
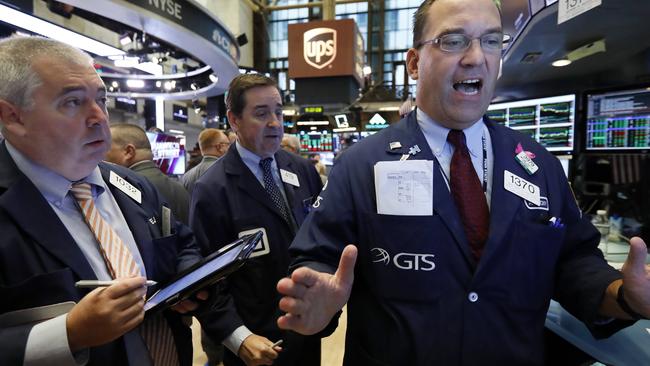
(272, 189)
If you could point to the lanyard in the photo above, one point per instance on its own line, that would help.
(485, 165)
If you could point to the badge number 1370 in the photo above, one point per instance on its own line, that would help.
(521, 187)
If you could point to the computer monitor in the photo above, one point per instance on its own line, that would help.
(550, 121)
(168, 152)
(316, 141)
(618, 120)
(126, 104)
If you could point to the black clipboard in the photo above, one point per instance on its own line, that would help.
(209, 270)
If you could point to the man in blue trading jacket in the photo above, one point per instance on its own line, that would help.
(64, 218)
(437, 276)
(255, 186)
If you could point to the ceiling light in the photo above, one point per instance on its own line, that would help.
(367, 70)
(127, 61)
(196, 106)
(158, 84)
(39, 26)
(125, 39)
(115, 84)
(194, 86)
(168, 85)
(313, 123)
(135, 83)
(561, 62)
(213, 78)
(348, 129)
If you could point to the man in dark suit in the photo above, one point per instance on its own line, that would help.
(54, 118)
(213, 144)
(130, 148)
(255, 186)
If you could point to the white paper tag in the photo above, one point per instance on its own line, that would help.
(404, 187)
(521, 188)
(290, 178)
(262, 246)
(567, 9)
(125, 187)
(166, 225)
(527, 163)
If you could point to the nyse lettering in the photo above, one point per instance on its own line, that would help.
(220, 39)
(170, 7)
(318, 49)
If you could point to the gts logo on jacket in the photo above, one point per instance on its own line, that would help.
(405, 261)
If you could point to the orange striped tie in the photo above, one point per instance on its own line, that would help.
(120, 263)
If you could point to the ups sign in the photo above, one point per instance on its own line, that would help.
(324, 48)
(319, 47)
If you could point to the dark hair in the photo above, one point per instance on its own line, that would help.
(420, 19)
(239, 85)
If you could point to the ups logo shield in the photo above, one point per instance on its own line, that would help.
(319, 47)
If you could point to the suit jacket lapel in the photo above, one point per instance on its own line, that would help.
(136, 218)
(289, 189)
(443, 203)
(504, 204)
(39, 221)
(246, 180)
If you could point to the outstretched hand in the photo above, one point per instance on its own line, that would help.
(312, 298)
(636, 278)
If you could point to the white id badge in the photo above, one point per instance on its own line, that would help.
(289, 177)
(125, 187)
(521, 187)
(262, 247)
(404, 188)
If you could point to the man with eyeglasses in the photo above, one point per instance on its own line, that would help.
(463, 230)
(213, 144)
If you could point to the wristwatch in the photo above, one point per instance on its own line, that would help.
(620, 299)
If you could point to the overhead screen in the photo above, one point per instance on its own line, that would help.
(550, 121)
(618, 120)
(168, 152)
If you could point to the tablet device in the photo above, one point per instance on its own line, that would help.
(209, 270)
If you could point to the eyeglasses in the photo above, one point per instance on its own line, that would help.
(458, 42)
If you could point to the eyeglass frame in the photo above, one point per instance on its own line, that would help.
(437, 42)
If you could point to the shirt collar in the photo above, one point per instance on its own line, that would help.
(53, 186)
(437, 135)
(249, 157)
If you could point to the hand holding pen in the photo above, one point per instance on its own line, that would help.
(106, 313)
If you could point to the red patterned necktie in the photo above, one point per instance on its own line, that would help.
(120, 263)
(468, 194)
